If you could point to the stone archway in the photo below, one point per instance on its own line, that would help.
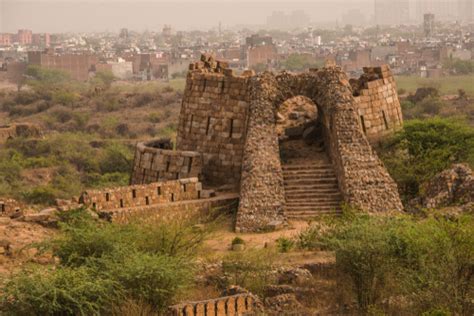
(362, 178)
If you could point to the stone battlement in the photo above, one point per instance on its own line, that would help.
(142, 195)
(155, 161)
(18, 130)
(240, 304)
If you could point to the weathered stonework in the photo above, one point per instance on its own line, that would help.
(9, 207)
(142, 195)
(153, 163)
(232, 121)
(18, 130)
(378, 104)
(240, 304)
(213, 120)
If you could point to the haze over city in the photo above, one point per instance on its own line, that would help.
(93, 16)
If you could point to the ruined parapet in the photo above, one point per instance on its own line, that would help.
(9, 207)
(142, 195)
(18, 130)
(156, 161)
(378, 104)
(213, 119)
(262, 196)
(240, 304)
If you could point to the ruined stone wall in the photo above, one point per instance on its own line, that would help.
(262, 195)
(9, 207)
(213, 119)
(142, 195)
(240, 304)
(180, 210)
(378, 104)
(154, 164)
(363, 180)
(18, 130)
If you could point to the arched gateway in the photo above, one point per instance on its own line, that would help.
(231, 121)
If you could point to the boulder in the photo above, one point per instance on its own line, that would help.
(294, 276)
(454, 186)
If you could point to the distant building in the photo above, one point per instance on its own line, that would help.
(78, 66)
(5, 39)
(123, 33)
(42, 40)
(442, 9)
(260, 50)
(428, 24)
(24, 37)
(389, 12)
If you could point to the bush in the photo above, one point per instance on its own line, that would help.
(251, 269)
(154, 279)
(285, 244)
(63, 291)
(44, 195)
(116, 158)
(427, 262)
(238, 241)
(425, 148)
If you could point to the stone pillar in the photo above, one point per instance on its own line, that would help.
(261, 190)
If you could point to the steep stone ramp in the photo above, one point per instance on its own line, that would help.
(311, 186)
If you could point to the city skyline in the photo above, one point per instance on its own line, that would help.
(110, 15)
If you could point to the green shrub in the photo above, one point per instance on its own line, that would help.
(44, 195)
(251, 269)
(154, 279)
(116, 158)
(424, 148)
(426, 261)
(62, 291)
(238, 241)
(285, 244)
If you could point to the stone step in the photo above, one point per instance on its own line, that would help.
(316, 172)
(316, 204)
(301, 182)
(306, 167)
(323, 187)
(313, 200)
(309, 215)
(309, 177)
(329, 193)
(292, 210)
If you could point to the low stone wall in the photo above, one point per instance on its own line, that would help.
(153, 164)
(18, 130)
(142, 195)
(8, 207)
(377, 103)
(172, 211)
(240, 304)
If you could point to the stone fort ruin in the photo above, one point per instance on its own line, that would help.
(291, 145)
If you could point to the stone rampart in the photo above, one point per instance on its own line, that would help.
(152, 164)
(8, 207)
(172, 211)
(213, 119)
(363, 180)
(142, 195)
(378, 104)
(18, 130)
(240, 304)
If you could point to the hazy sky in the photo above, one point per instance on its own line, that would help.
(74, 15)
(102, 15)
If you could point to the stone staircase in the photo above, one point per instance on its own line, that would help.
(310, 187)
